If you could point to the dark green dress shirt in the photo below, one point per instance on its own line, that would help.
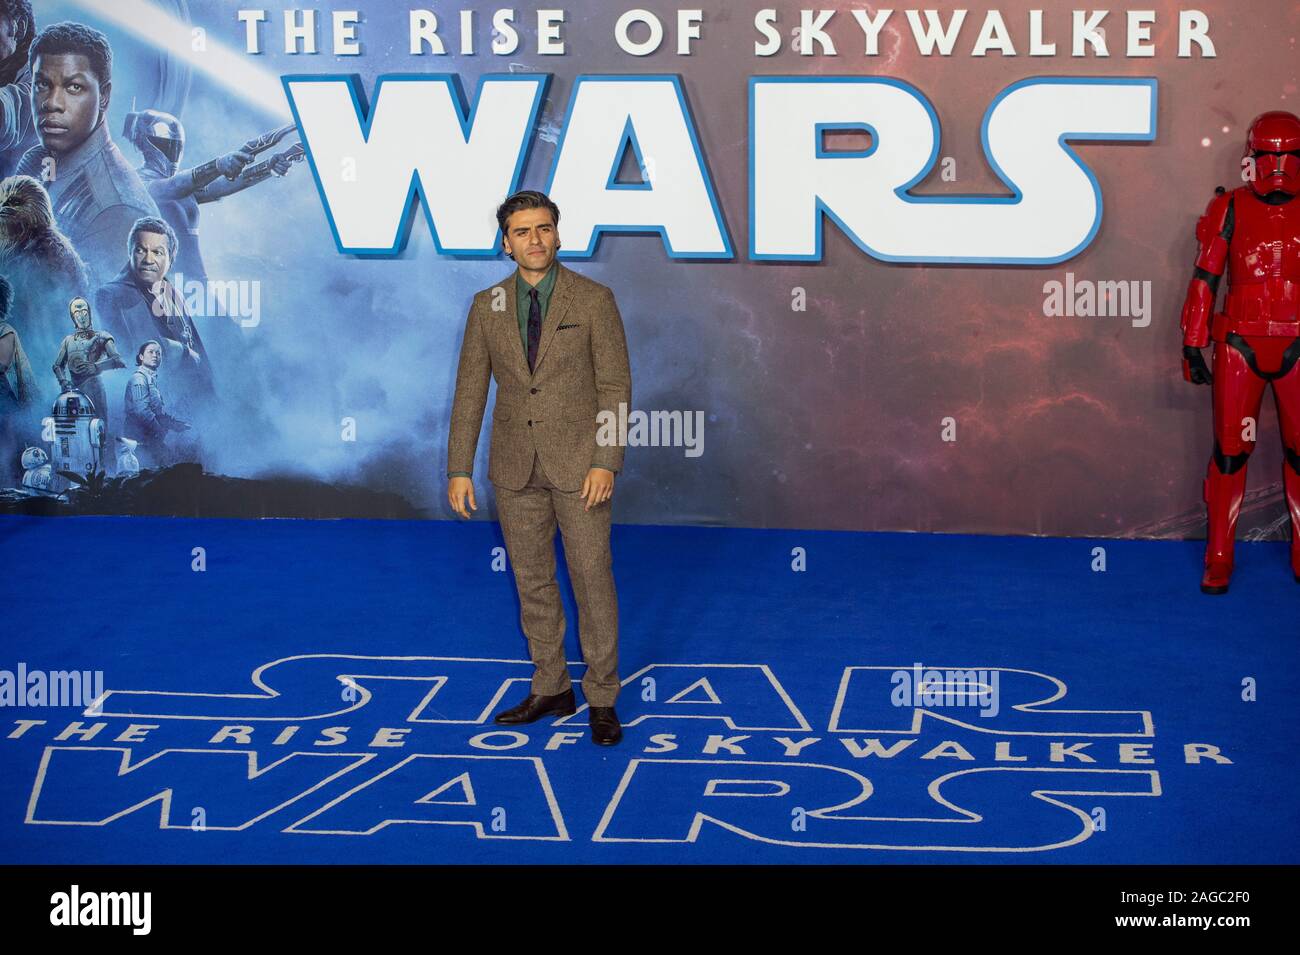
(523, 302)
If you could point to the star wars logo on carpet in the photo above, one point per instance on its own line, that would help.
(723, 745)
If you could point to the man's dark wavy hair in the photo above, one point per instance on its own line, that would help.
(70, 37)
(527, 199)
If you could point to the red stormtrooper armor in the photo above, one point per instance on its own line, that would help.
(1251, 234)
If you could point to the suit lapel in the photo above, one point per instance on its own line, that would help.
(554, 316)
(507, 324)
(554, 310)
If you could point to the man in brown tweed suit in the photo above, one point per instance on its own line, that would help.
(554, 341)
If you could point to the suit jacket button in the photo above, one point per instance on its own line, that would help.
(532, 391)
(530, 424)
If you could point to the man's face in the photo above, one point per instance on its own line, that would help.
(532, 239)
(151, 357)
(67, 99)
(8, 38)
(80, 313)
(150, 257)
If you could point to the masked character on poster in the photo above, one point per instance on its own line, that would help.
(178, 193)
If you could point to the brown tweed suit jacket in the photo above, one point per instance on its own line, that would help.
(582, 368)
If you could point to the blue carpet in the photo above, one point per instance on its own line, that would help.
(389, 644)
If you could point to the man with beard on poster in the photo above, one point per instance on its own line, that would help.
(95, 193)
(17, 132)
(141, 304)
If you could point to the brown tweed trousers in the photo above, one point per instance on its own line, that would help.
(543, 443)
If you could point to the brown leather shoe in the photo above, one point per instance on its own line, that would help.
(605, 729)
(534, 707)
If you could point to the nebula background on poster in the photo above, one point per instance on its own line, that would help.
(830, 417)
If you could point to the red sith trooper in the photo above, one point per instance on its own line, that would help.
(1252, 234)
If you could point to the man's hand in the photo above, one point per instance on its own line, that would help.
(597, 487)
(457, 488)
(1194, 368)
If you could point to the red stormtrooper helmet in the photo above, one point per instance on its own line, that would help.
(1274, 146)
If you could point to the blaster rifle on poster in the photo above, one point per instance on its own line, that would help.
(260, 144)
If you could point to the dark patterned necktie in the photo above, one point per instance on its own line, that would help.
(534, 327)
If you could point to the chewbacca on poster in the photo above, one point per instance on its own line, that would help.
(35, 256)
